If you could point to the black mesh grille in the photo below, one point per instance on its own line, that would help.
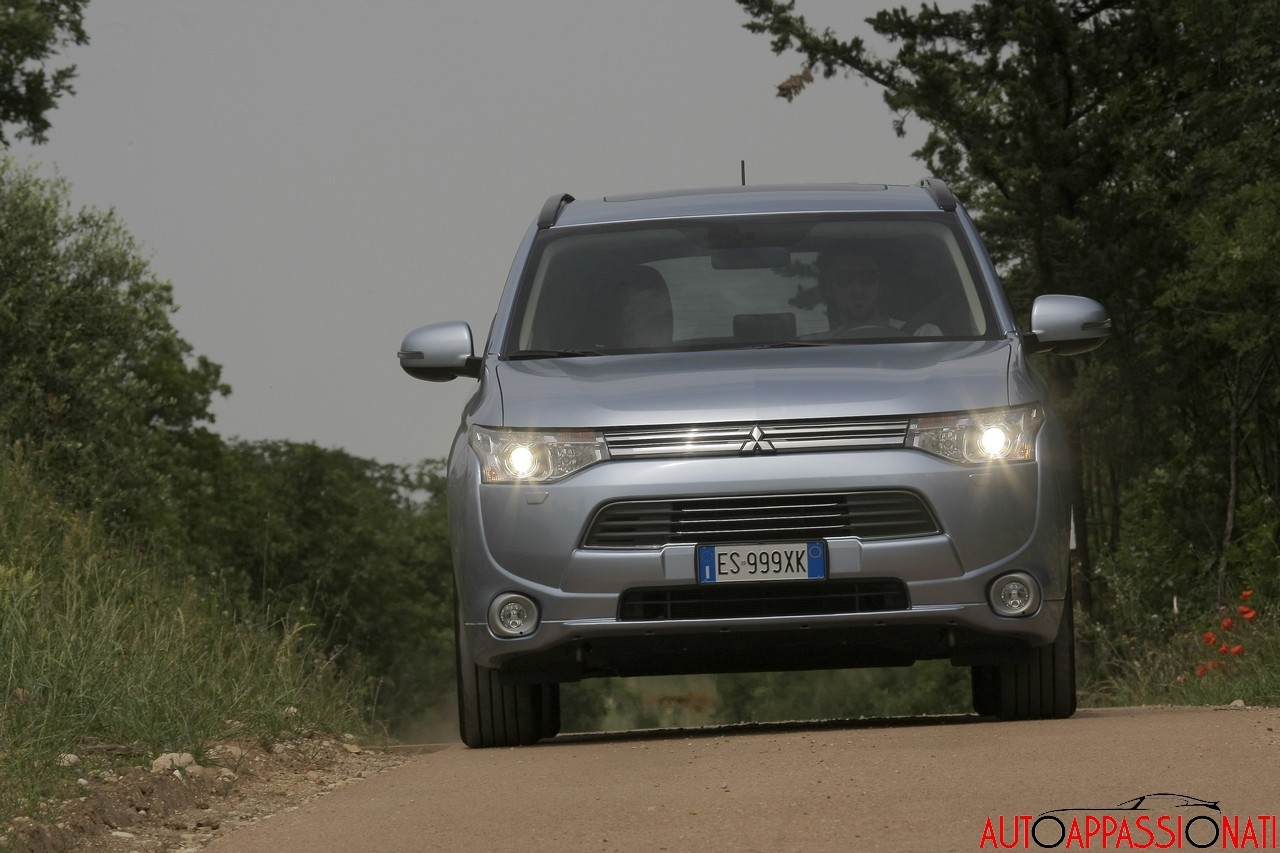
(760, 518)
(748, 600)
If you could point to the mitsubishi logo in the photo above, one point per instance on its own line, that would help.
(757, 443)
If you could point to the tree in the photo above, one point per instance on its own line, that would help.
(95, 383)
(1008, 90)
(1095, 140)
(31, 32)
(100, 396)
(356, 547)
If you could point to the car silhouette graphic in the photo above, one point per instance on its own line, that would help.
(1160, 819)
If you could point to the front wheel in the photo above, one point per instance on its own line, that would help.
(493, 714)
(1042, 687)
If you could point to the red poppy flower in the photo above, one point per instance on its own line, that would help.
(1244, 595)
(1222, 649)
(1227, 623)
(1213, 664)
(1244, 609)
(1237, 650)
(1251, 615)
(1210, 638)
(1200, 671)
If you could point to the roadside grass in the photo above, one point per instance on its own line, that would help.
(1227, 653)
(104, 656)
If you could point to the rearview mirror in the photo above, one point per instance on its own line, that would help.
(750, 258)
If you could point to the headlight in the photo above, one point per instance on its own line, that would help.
(528, 456)
(1002, 435)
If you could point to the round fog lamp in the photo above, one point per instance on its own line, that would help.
(1015, 594)
(513, 615)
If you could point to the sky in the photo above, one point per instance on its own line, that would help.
(316, 178)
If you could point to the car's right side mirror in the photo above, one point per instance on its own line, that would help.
(1067, 325)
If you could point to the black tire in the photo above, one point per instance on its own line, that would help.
(983, 680)
(550, 710)
(493, 714)
(1041, 687)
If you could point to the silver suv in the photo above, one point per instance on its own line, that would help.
(756, 429)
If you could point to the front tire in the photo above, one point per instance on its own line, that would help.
(493, 714)
(1042, 687)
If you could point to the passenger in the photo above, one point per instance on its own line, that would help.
(644, 312)
(851, 285)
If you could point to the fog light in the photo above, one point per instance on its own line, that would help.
(513, 615)
(1015, 594)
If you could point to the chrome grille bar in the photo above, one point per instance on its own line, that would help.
(779, 436)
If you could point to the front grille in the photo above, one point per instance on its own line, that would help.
(750, 438)
(755, 600)
(760, 518)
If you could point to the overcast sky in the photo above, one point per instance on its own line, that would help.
(317, 177)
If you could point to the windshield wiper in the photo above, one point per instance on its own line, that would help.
(784, 344)
(550, 353)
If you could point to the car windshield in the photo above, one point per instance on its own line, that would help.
(798, 280)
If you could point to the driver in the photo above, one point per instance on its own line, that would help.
(850, 285)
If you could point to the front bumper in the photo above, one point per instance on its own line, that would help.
(572, 649)
(517, 539)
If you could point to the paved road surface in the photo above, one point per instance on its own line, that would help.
(926, 784)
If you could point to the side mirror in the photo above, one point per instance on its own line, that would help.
(439, 352)
(1067, 325)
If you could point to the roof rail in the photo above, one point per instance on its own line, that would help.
(941, 193)
(551, 210)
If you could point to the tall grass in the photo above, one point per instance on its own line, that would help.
(99, 645)
(1214, 657)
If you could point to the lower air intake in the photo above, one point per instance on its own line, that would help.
(745, 601)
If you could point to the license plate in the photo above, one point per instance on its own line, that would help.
(772, 562)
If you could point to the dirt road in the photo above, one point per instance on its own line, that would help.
(926, 784)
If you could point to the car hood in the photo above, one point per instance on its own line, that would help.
(864, 380)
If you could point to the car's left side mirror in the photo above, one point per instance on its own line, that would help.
(1067, 325)
(439, 352)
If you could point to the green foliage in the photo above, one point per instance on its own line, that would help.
(31, 31)
(96, 383)
(1203, 656)
(1125, 151)
(101, 646)
(929, 687)
(111, 408)
(358, 547)
(584, 705)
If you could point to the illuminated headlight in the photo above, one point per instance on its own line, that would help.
(975, 438)
(513, 615)
(528, 456)
(1015, 594)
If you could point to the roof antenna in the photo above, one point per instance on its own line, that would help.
(744, 173)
